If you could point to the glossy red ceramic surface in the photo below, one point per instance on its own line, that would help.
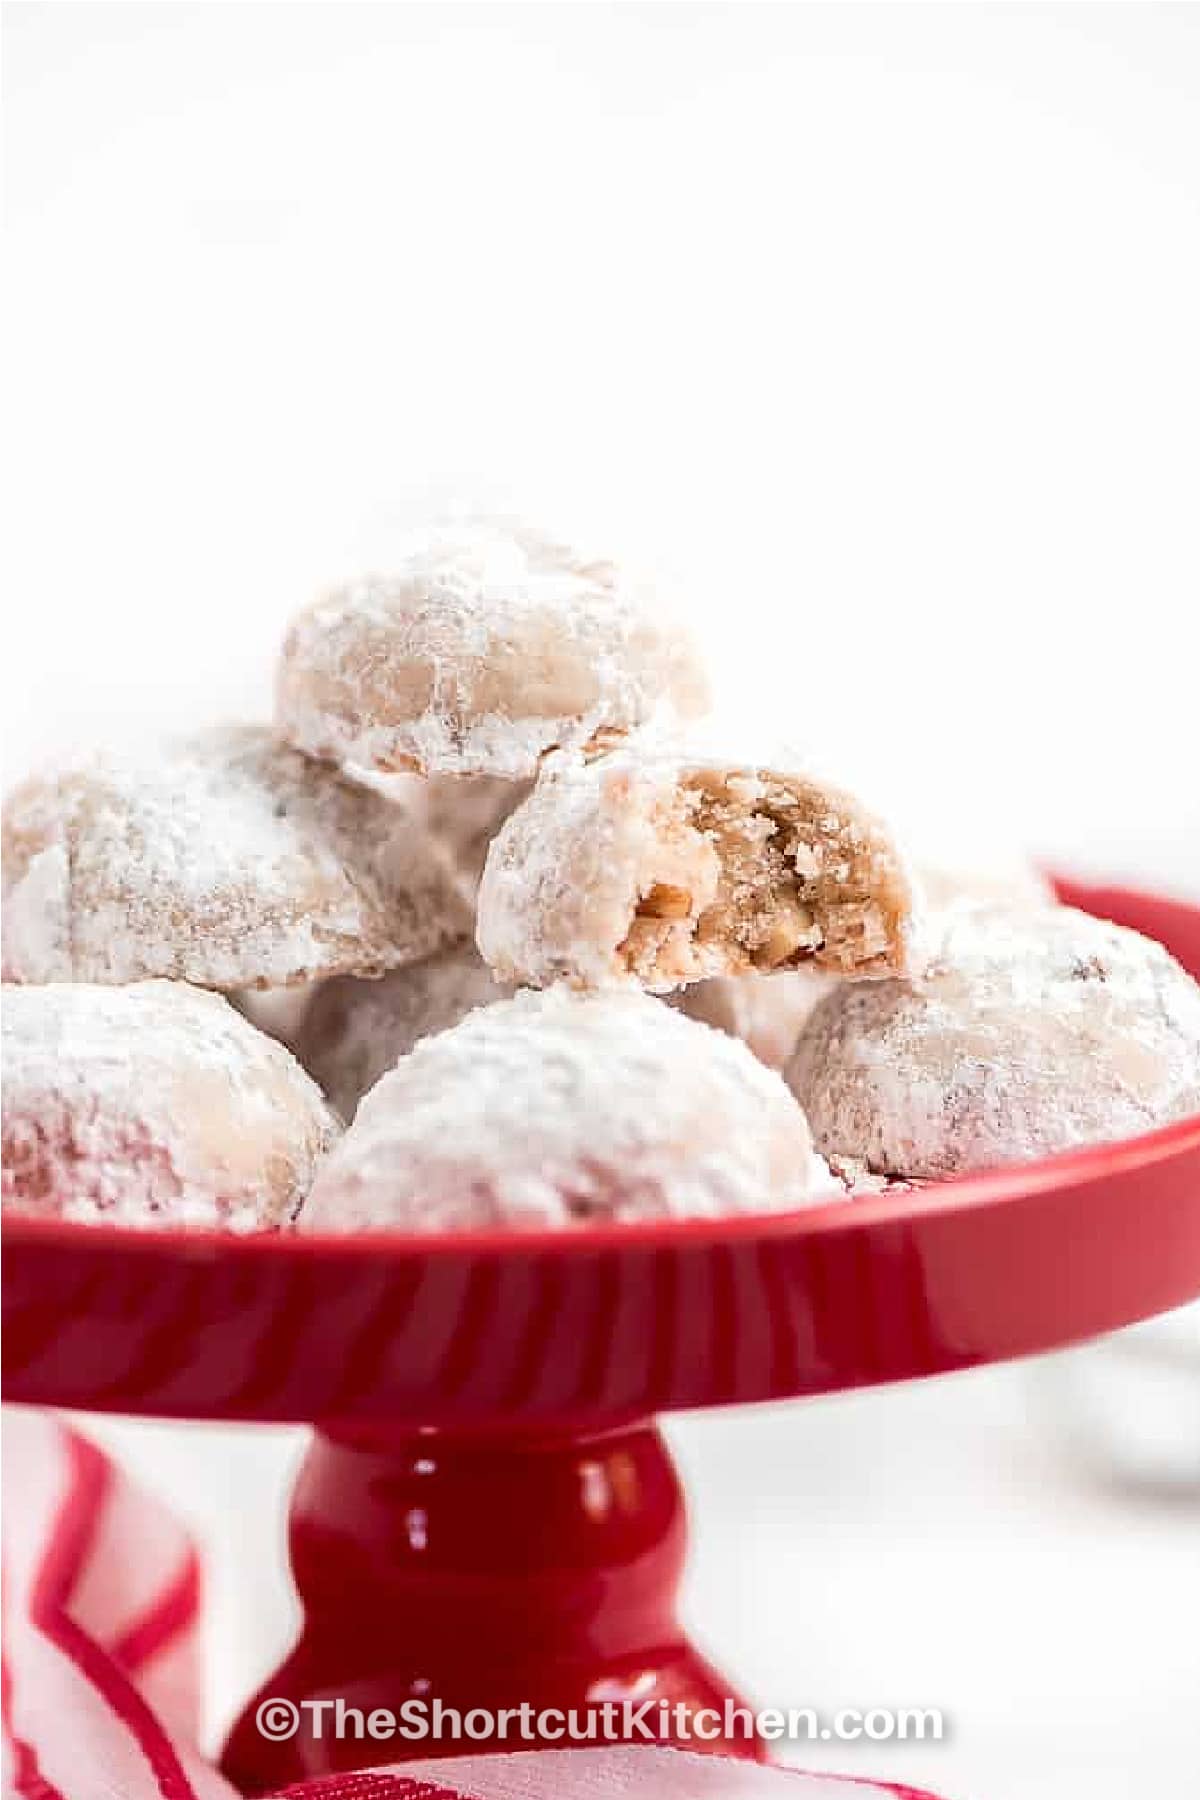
(598, 1326)
(484, 1572)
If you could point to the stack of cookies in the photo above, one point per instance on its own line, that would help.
(399, 961)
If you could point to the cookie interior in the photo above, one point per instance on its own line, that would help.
(762, 871)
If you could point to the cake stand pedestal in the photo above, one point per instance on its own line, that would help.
(485, 1572)
(487, 1517)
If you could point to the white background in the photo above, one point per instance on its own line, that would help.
(880, 327)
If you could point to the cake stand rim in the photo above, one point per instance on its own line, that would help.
(995, 1188)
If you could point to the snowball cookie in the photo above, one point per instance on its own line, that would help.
(765, 1011)
(352, 1032)
(225, 859)
(155, 1104)
(488, 645)
(646, 867)
(561, 1108)
(1030, 1032)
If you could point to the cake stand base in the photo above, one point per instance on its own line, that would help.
(482, 1572)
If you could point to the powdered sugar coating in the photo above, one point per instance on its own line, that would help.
(572, 872)
(224, 859)
(352, 1031)
(562, 876)
(154, 1104)
(1031, 1031)
(490, 644)
(559, 1109)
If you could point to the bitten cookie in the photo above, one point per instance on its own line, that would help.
(488, 646)
(225, 859)
(559, 1109)
(1031, 1031)
(153, 1105)
(352, 1032)
(645, 867)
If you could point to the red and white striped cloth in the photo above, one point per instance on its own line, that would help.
(101, 1676)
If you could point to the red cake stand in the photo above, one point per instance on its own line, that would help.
(487, 1514)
